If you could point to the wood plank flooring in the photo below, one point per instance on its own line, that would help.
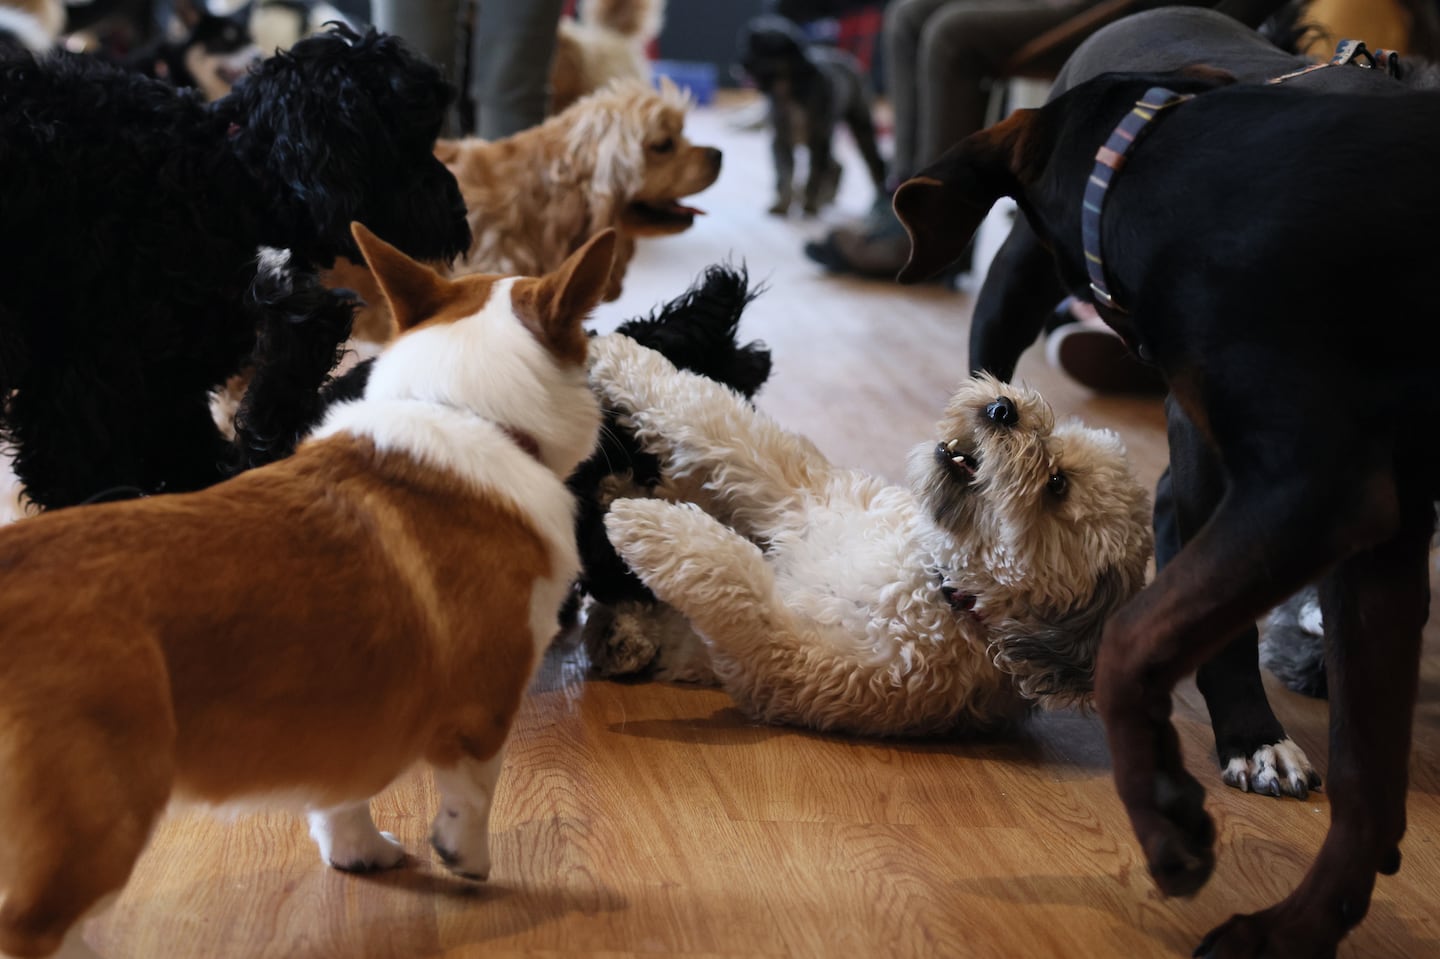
(650, 820)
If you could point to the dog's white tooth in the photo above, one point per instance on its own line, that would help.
(951, 446)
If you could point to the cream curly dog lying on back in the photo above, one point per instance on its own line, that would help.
(828, 598)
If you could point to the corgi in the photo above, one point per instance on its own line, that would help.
(306, 631)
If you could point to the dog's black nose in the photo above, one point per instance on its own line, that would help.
(1002, 411)
(714, 157)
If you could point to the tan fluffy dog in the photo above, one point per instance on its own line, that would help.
(616, 159)
(306, 631)
(828, 598)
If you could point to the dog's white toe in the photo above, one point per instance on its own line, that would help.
(1281, 769)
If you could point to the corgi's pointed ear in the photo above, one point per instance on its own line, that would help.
(943, 205)
(414, 291)
(555, 305)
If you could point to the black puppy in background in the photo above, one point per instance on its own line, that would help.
(811, 88)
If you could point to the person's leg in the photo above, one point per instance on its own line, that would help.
(428, 26)
(903, 25)
(947, 55)
(963, 47)
(510, 64)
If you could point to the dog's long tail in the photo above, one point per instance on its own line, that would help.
(640, 20)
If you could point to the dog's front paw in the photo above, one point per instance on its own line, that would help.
(1177, 835)
(1278, 769)
(349, 841)
(780, 207)
(1267, 934)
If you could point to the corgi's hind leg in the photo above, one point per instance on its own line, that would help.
(78, 810)
(461, 831)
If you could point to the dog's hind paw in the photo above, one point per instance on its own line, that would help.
(1278, 769)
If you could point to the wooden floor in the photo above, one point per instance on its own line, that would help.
(652, 820)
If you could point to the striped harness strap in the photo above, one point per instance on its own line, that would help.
(1347, 52)
(1109, 160)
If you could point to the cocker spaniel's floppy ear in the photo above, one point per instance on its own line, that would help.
(608, 140)
(1052, 656)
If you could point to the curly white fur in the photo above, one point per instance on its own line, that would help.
(831, 599)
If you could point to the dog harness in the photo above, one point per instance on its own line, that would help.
(1351, 52)
(1109, 160)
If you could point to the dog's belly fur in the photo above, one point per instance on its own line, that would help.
(876, 541)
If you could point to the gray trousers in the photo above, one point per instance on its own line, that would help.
(510, 58)
(940, 56)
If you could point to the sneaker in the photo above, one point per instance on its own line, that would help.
(1096, 357)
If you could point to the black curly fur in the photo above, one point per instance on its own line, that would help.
(133, 213)
(697, 332)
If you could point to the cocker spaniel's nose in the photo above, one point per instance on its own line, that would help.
(1002, 412)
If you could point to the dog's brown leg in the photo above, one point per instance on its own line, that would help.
(1262, 543)
(1375, 606)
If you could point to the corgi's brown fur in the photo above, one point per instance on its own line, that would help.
(308, 630)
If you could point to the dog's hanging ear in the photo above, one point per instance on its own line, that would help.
(1052, 655)
(556, 305)
(414, 291)
(943, 205)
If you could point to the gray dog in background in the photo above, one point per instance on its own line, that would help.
(811, 88)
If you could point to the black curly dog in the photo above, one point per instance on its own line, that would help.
(811, 88)
(134, 214)
(1268, 246)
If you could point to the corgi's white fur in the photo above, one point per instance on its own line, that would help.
(309, 629)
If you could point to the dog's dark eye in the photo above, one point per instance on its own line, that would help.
(664, 146)
(1058, 484)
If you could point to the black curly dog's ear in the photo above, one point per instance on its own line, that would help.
(342, 127)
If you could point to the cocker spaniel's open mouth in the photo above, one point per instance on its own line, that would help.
(669, 216)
